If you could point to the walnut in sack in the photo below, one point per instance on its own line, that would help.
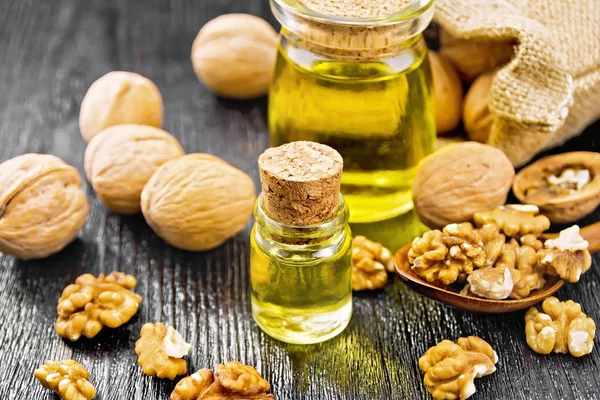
(233, 380)
(562, 327)
(447, 256)
(450, 369)
(90, 304)
(566, 256)
(370, 264)
(160, 350)
(515, 220)
(68, 379)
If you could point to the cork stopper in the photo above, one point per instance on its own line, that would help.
(301, 182)
(356, 8)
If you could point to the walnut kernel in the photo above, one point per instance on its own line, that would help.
(232, 381)
(90, 304)
(67, 378)
(566, 256)
(154, 348)
(450, 369)
(515, 220)
(491, 283)
(562, 328)
(370, 264)
(448, 256)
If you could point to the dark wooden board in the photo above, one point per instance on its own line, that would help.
(50, 52)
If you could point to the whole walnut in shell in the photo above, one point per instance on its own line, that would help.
(120, 160)
(117, 98)
(198, 201)
(42, 206)
(474, 57)
(447, 92)
(477, 117)
(460, 180)
(234, 55)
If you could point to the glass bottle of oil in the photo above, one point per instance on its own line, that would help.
(300, 257)
(362, 86)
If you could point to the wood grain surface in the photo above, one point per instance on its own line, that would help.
(50, 52)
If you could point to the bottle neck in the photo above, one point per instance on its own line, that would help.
(273, 230)
(353, 39)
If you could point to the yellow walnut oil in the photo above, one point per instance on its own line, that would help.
(378, 115)
(301, 293)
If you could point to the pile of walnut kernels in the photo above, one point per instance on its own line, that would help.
(502, 257)
(92, 303)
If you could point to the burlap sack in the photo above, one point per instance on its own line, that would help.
(550, 90)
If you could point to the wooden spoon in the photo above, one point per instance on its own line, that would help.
(476, 304)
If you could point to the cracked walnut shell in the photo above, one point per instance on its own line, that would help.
(118, 98)
(448, 256)
(450, 369)
(370, 264)
(198, 201)
(160, 350)
(233, 380)
(42, 206)
(67, 378)
(90, 304)
(562, 327)
(566, 256)
(459, 180)
(566, 187)
(120, 160)
(515, 220)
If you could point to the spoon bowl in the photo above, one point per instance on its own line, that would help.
(469, 303)
(476, 304)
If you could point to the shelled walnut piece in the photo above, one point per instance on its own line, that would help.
(566, 256)
(233, 380)
(562, 327)
(160, 350)
(515, 220)
(370, 264)
(444, 257)
(90, 304)
(450, 369)
(67, 378)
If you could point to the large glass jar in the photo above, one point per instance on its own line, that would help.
(362, 86)
(301, 276)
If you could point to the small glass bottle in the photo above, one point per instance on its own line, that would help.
(300, 261)
(355, 76)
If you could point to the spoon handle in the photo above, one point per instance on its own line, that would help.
(591, 233)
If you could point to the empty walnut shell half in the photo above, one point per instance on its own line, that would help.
(566, 187)
(42, 206)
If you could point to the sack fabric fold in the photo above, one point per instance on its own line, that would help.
(550, 90)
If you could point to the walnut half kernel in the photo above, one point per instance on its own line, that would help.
(87, 306)
(566, 256)
(562, 327)
(160, 350)
(68, 379)
(370, 264)
(234, 381)
(450, 369)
